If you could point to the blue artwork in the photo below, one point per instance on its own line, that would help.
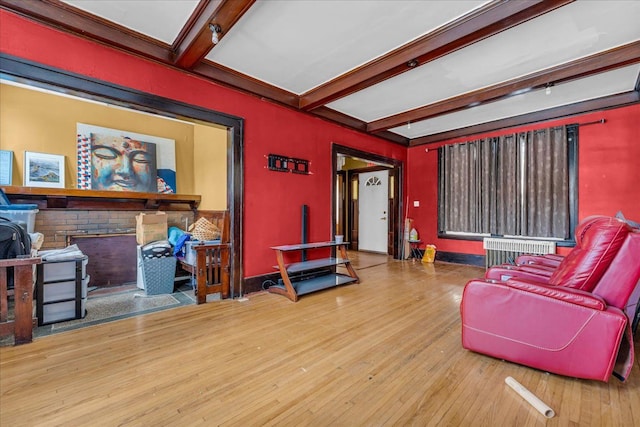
(160, 151)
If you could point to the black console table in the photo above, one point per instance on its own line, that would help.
(293, 288)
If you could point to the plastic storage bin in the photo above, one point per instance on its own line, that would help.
(22, 214)
(61, 290)
(190, 253)
(63, 270)
(58, 291)
(61, 311)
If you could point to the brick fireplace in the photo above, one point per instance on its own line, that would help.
(107, 237)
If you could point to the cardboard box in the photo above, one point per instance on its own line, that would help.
(151, 227)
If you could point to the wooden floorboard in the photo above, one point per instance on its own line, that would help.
(382, 352)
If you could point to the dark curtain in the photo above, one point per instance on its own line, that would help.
(515, 184)
(546, 194)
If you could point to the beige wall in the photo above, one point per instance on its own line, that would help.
(41, 122)
(210, 162)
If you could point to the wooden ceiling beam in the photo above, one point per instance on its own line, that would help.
(604, 103)
(229, 77)
(600, 62)
(353, 123)
(484, 22)
(194, 41)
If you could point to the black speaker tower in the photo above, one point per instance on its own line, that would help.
(305, 229)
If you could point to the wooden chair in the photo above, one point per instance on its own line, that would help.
(22, 325)
(212, 265)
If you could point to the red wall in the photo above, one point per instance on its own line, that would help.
(608, 173)
(273, 200)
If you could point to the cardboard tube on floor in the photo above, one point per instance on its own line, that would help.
(530, 397)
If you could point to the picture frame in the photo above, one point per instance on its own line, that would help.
(43, 170)
(6, 167)
(164, 156)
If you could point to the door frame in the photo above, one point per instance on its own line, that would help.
(396, 170)
(57, 80)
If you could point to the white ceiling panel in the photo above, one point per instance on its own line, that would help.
(576, 30)
(610, 83)
(298, 45)
(159, 19)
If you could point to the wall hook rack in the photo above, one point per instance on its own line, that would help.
(278, 163)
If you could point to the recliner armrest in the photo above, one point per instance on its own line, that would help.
(540, 269)
(549, 260)
(573, 296)
(503, 273)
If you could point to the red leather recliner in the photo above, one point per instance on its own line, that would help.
(550, 262)
(597, 243)
(571, 324)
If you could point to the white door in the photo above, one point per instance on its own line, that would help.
(373, 189)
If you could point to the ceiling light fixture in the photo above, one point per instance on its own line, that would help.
(215, 33)
(413, 63)
(548, 88)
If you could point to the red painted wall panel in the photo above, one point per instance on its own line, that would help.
(608, 173)
(273, 200)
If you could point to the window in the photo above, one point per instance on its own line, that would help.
(374, 180)
(521, 184)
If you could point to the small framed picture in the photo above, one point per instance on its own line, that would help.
(43, 170)
(6, 167)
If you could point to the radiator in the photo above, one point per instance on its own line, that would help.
(501, 251)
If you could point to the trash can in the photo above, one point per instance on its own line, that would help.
(429, 253)
(158, 275)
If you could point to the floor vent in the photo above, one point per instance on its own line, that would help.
(505, 251)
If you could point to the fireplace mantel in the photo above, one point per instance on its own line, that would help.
(63, 198)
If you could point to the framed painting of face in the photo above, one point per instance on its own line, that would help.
(115, 160)
(122, 164)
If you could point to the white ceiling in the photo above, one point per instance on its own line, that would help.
(299, 46)
(573, 31)
(609, 83)
(159, 19)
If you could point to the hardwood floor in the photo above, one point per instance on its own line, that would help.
(383, 352)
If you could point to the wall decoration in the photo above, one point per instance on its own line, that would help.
(276, 162)
(112, 159)
(6, 167)
(43, 170)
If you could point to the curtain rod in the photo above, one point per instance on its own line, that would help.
(597, 122)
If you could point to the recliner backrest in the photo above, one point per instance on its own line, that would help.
(587, 223)
(620, 280)
(585, 265)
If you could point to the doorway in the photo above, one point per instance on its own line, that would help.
(41, 76)
(372, 224)
(373, 188)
